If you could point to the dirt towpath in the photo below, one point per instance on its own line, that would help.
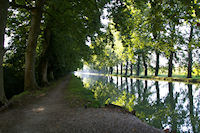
(51, 114)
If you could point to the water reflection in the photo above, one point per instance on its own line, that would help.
(160, 104)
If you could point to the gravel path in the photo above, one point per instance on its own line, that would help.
(51, 114)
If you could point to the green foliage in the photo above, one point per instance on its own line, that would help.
(147, 27)
(70, 30)
(71, 24)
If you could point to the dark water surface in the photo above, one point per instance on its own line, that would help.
(160, 104)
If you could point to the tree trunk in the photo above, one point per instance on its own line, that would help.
(121, 68)
(126, 72)
(170, 63)
(189, 74)
(145, 65)
(157, 63)
(43, 72)
(4, 4)
(44, 58)
(29, 80)
(51, 75)
(138, 66)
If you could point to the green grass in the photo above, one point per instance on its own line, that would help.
(78, 96)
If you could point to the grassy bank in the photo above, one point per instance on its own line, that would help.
(78, 96)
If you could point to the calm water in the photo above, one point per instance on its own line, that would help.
(160, 104)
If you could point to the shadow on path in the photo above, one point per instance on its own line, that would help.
(51, 114)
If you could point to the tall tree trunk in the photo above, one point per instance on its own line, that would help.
(157, 63)
(189, 74)
(29, 79)
(170, 64)
(4, 4)
(44, 58)
(44, 67)
(121, 68)
(138, 66)
(145, 65)
(126, 72)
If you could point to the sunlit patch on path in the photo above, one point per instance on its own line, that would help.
(37, 110)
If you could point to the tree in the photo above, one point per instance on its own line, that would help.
(43, 64)
(156, 21)
(36, 16)
(4, 4)
(35, 9)
(189, 73)
(191, 17)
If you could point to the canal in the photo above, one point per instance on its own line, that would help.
(158, 103)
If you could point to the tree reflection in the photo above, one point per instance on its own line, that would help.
(138, 84)
(146, 97)
(157, 121)
(172, 101)
(109, 93)
(111, 80)
(117, 81)
(157, 92)
(127, 88)
(121, 83)
(193, 117)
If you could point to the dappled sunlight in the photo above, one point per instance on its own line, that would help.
(37, 110)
